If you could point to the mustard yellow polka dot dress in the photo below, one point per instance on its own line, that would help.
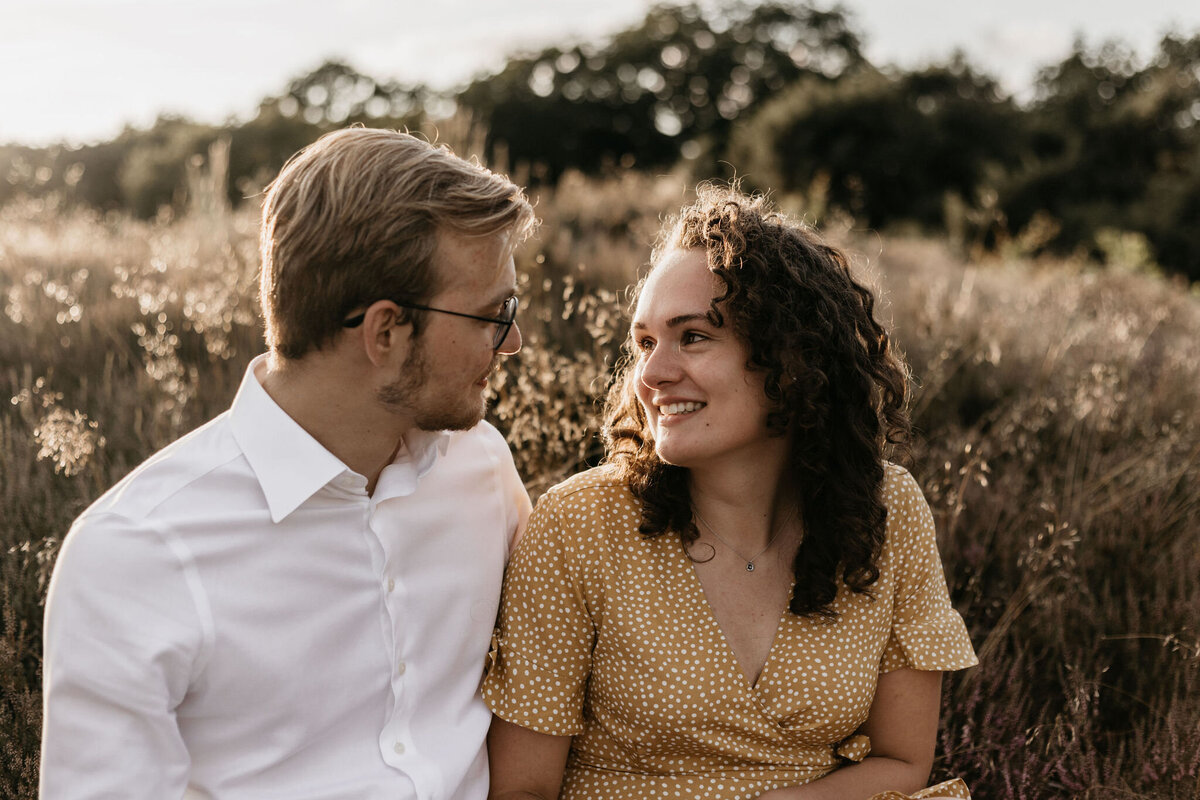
(607, 637)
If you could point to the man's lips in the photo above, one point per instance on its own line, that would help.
(492, 370)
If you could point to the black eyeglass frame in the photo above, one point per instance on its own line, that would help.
(505, 323)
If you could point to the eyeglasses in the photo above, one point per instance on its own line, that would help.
(503, 323)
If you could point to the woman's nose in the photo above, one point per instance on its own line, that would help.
(660, 367)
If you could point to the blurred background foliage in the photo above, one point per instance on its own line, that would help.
(1055, 399)
(1105, 155)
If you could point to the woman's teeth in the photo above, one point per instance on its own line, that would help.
(679, 408)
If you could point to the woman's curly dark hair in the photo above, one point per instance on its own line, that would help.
(832, 381)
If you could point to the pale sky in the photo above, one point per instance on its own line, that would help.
(79, 70)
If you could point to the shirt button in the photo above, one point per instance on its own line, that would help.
(401, 668)
(391, 585)
(399, 748)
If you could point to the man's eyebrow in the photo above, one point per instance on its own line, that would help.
(503, 295)
(675, 321)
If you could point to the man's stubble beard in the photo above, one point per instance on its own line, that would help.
(406, 394)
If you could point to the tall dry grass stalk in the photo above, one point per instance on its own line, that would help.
(1060, 450)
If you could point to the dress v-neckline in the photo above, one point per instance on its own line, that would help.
(706, 610)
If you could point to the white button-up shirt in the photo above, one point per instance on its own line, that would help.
(237, 618)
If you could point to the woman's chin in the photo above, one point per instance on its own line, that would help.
(673, 454)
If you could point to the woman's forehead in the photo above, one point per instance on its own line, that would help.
(680, 283)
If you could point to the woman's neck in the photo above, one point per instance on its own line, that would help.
(748, 503)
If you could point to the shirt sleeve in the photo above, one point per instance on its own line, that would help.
(927, 633)
(123, 639)
(518, 500)
(542, 653)
(512, 488)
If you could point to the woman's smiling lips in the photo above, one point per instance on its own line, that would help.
(675, 410)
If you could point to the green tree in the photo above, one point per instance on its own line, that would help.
(331, 96)
(152, 172)
(886, 148)
(672, 85)
(1115, 145)
(143, 170)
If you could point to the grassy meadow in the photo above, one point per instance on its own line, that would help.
(1056, 406)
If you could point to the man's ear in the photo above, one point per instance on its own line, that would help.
(386, 332)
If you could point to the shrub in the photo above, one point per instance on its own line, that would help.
(1059, 449)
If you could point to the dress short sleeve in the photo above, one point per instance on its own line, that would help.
(542, 653)
(927, 633)
(951, 788)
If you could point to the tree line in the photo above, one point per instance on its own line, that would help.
(780, 94)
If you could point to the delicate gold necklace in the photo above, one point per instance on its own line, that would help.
(755, 557)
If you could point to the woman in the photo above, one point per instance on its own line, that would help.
(745, 600)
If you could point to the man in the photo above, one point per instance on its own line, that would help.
(296, 600)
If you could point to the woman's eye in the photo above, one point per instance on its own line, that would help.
(691, 337)
(644, 345)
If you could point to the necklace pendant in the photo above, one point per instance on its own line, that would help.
(749, 566)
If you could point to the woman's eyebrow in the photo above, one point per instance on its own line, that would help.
(675, 321)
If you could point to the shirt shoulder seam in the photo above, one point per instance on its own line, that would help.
(147, 511)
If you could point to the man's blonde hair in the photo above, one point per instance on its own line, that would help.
(354, 217)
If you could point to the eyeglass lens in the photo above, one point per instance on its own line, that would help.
(509, 315)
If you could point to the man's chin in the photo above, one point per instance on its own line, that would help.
(447, 420)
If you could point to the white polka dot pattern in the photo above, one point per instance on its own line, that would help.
(607, 637)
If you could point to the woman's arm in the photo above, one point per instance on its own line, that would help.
(525, 764)
(902, 726)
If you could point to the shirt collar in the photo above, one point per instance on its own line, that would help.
(414, 459)
(291, 466)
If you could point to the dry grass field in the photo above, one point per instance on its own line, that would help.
(1056, 405)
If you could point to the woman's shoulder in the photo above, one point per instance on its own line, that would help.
(590, 510)
(910, 524)
(899, 486)
(588, 487)
(595, 495)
